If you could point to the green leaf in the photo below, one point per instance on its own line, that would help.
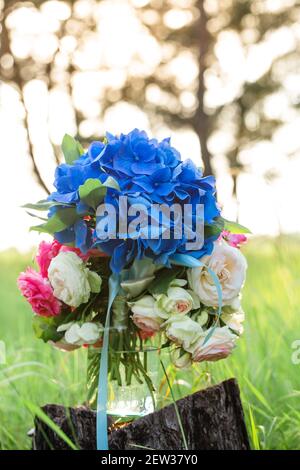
(92, 192)
(136, 286)
(36, 216)
(120, 310)
(234, 227)
(93, 376)
(253, 430)
(162, 282)
(71, 148)
(216, 228)
(175, 407)
(62, 219)
(221, 224)
(112, 183)
(95, 282)
(43, 205)
(45, 328)
(37, 411)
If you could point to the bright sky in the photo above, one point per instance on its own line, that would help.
(265, 207)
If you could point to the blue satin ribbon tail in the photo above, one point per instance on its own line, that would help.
(102, 436)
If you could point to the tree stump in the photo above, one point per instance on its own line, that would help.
(211, 418)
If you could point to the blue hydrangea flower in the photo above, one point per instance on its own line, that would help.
(135, 154)
(147, 171)
(68, 178)
(158, 184)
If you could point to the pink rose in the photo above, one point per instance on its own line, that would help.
(39, 293)
(48, 251)
(145, 316)
(233, 239)
(144, 323)
(218, 346)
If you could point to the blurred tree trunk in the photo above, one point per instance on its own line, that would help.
(5, 48)
(201, 119)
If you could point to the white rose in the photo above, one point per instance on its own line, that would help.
(182, 330)
(234, 321)
(177, 300)
(230, 265)
(145, 315)
(72, 282)
(76, 334)
(218, 346)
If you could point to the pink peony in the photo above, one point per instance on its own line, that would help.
(48, 251)
(233, 239)
(39, 293)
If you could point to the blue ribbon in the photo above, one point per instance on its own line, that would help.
(102, 436)
(191, 262)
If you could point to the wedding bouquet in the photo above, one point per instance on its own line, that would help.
(139, 251)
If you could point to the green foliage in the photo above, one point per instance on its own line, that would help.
(59, 221)
(45, 328)
(221, 224)
(92, 192)
(37, 411)
(72, 149)
(35, 216)
(43, 205)
(95, 282)
(214, 229)
(234, 227)
(162, 282)
(92, 376)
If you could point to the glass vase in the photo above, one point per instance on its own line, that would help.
(136, 396)
(134, 375)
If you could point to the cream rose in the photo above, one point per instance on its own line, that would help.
(230, 265)
(218, 346)
(234, 321)
(72, 282)
(145, 314)
(177, 300)
(182, 330)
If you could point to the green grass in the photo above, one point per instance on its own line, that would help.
(36, 373)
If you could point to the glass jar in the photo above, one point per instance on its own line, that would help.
(134, 375)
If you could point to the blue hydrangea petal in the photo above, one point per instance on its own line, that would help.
(65, 236)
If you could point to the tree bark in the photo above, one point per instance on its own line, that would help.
(211, 419)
